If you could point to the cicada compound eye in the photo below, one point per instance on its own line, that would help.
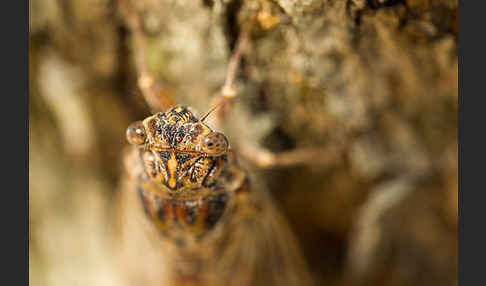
(136, 134)
(215, 144)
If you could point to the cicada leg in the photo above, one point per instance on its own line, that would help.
(257, 155)
(264, 158)
(156, 94)
(222, 104)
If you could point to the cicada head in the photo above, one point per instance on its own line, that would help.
(183, 152)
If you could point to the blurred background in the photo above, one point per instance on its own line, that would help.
(376, 79)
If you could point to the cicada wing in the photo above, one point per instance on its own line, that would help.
(259, 247)
(140, 261)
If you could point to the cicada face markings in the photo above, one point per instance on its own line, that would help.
(154, 169)
(180, 171)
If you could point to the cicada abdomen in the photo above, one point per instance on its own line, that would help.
(191, 216)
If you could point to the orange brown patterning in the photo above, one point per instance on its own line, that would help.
(206, 225)
(183, 185)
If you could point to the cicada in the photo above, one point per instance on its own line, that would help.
(191, 215)
(197, 214)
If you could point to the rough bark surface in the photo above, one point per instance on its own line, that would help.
(376, 79)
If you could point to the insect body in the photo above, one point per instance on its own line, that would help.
(190, 214)
(187, 178)
(206, 222)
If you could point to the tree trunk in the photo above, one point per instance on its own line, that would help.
(375, 79)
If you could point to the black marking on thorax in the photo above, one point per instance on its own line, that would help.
(160, 207)
(194, 173)
(164, 155)
(181, 158)
(210, 171)
(190, 213)
(216, 207)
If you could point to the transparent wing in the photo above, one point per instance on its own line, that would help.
(258, 247)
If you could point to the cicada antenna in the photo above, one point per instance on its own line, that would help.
(157, 96)
(211, 111)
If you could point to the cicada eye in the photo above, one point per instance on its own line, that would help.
(215, 144)
(136, 133)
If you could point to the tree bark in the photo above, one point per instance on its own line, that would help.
(376, 79)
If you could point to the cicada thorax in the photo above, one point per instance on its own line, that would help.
(187, 177)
